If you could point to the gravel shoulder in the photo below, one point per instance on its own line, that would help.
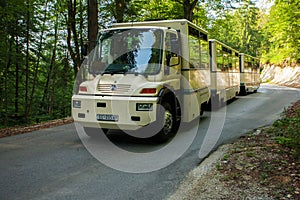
(255, 166)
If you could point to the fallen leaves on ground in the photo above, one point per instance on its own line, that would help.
(259, 160)
(25, 129)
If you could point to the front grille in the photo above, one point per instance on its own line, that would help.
(114, 88)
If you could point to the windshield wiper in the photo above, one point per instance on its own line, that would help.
(116, 69)
(120, 71)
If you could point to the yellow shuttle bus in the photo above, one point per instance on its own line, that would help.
(145, 73)
(250, 74)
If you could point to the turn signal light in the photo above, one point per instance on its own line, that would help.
(148, 91)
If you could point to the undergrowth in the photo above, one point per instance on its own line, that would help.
(287, 131)
(265, 164)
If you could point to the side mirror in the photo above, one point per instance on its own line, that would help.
(175, 47)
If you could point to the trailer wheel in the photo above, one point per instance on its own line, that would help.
(243, 91)
(167, 121)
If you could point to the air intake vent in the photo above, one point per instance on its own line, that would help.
(114, 88)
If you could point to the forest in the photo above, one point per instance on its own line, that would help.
(41, 40)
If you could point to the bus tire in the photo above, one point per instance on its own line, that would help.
(166, 120)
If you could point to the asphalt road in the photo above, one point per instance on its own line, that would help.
(54, 164)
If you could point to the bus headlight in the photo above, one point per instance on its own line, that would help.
(76, 104)
(144, 107)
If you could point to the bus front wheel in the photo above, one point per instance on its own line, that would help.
(167, 122)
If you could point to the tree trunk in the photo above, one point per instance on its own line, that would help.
(71, 20)
(53, 64)
(82, 10)
(119, 11)
(188, 8)
(27, 60)
(65, 83)
(93, 23)
(34, 83)
(46, 102)
(6, 79)
(17, 78)
(191, 7)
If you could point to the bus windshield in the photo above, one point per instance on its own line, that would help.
(137, 51)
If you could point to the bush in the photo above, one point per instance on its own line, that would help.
(287, 132)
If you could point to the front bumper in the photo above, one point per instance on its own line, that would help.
(125, 108)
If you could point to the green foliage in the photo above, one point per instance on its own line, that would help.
(155, 9)
(219, 166)
(41, 88)
(287, 132)
(249, 154)
(225, 157)
(283, 32)
(238, 27)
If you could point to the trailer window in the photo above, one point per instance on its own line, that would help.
(198, 49)
(230, 62)
(220, 58)
(247, 64)
(236, 62)
(194, 48)
(204, 54)
(225, 61)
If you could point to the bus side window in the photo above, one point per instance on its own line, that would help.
(171, 52)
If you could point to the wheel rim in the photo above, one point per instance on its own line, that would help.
(168, 122)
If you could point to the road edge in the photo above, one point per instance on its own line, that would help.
(196, 174)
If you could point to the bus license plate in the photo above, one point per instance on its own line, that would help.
(105, 117)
